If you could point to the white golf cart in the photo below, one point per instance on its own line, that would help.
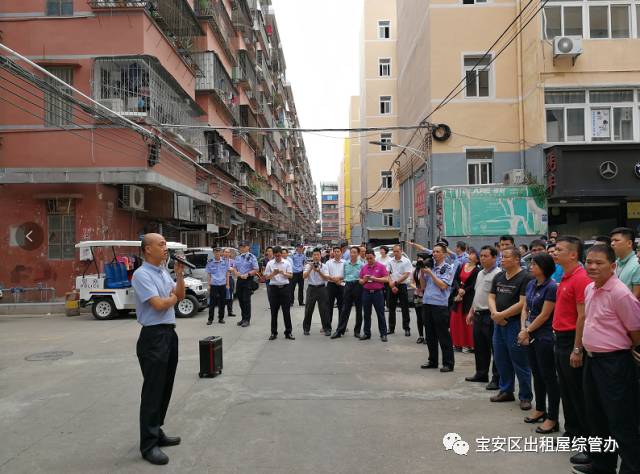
(110, 293)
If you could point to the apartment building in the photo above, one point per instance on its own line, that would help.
(352, 178)
(329, 212)
(378, 203)
(558, 110)
(72, 171)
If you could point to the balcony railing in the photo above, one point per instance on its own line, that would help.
(216, 13)
(175, 18)
(242, 18)
(139, 87)
(244, 73)
(248, 119)
(216, 79)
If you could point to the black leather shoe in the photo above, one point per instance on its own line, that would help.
(239, 323)
(383, 338)
(327, 333)
(493, 385)
(420, 340)
(364, 338)
(407, 333)
(221, 321)
(169, 440)
(538, 419)
(336, 335)
(391, 331)
(156, 456)
(209, 323)
(231, 315)
(580, 458)
(290, 337)
(245, 324)
(446, 368)
(356, 335)
(583, 469)
(306, 333)
(555, 429)
(272, 337)
(476, 379)
(429, 365)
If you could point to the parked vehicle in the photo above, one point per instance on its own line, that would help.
(110, 293)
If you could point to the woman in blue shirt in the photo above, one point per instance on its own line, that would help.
(536, 332)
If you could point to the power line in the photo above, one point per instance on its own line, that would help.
(289, 129)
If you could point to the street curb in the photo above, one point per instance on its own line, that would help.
(10, 309)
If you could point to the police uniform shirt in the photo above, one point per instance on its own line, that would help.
(149, 281)
(434, 295)
(399, 268)
(336, 269)
(314, 277)
(298, 260)
(283, 266)
(218, 270)
(245, 263)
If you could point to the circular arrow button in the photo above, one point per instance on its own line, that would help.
(29, 236)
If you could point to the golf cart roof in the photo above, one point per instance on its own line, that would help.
(124, 243)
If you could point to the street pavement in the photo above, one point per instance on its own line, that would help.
(312, 405)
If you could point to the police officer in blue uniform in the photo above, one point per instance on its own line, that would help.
(157, 348)
(435, 307)
(298, 259)
(218, 271)
(245, 268)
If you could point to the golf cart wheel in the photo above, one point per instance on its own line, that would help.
(104, 309)
(188, 307)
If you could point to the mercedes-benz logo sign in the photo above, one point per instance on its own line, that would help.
(608, 169)
(636, 169)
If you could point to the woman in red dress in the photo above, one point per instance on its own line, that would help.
(464, 288)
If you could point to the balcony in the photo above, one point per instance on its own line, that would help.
(259, 30)
(138, 87)
(244, 74)
(216, 80)
(264, 110)
(248, 119)
(216, 14)
(175, 18)
(242, 18)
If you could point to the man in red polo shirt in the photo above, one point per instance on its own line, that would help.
(568, 324)
(373, 277)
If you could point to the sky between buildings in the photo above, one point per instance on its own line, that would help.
(321, 48)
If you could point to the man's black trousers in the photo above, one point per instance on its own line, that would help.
(157, 351)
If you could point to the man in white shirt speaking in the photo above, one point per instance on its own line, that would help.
(401, 269)
(279, 271)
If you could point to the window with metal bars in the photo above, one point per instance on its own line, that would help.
(61, 229)
(58, 110)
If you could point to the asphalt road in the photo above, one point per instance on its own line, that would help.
(312, 405)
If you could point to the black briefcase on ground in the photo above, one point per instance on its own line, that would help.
(210, 356)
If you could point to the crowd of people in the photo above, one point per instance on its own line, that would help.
(563, 322)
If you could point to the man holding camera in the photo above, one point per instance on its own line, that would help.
(438, 276)
(401, 269)
(317, 275)
(278, 273)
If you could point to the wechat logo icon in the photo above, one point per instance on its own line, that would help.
(453, 442)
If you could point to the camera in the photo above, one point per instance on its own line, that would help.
(316, 265)
(426, 261)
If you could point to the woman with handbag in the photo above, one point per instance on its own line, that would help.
(462, 297)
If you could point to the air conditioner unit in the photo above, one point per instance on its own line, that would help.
(114, 104)
(515, 176)
(567, 46)
(133, 197)
(243, 179)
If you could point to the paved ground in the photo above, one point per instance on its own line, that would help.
(307, 406)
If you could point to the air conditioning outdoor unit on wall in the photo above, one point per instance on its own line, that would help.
(133, 197)
(567, 46)
(515, 176)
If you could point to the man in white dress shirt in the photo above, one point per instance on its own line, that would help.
(335, 286)
(279, 271)
(317, 274)
(400, 272)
